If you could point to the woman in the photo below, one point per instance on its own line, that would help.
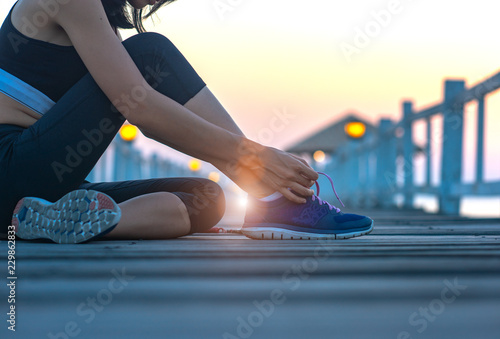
(67, 85)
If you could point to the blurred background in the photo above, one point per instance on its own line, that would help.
(312, 64)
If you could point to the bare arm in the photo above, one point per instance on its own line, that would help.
(165, 120)
(116, 74)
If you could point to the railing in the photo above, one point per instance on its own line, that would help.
(381, 167)
(122, 161)
(372, 172)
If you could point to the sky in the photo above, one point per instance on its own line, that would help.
(261, 57)
(316, 60)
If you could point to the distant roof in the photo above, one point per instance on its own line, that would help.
(329, 138)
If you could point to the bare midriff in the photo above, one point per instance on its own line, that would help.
(14, 113)
(11, 111)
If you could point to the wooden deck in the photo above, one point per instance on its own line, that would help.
(415, 276)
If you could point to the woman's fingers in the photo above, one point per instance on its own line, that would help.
(300, 167)
(284, 172)
(300, 174)
(301, 160)
(309, 173)
(292, 196)
(305, 169)
(300, 190)
(302, 180)
(291, 190)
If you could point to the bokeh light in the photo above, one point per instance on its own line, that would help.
(129, 132)
(214, 176)
(243, 201)
(194, 165)
(355, 129)
(319, 156)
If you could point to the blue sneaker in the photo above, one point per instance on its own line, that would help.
(77, 217)
(316, 219)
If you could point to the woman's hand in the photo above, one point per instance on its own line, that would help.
(288, 174)
(280, 171)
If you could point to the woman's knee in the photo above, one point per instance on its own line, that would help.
(149, 51)
(207, 205)
(147, 42)
(164, 67)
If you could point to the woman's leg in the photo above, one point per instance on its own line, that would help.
(164, 208)
(152, 216)
(55, 155)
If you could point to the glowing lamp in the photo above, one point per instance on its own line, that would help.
(355, 129)
(319, 156)
(214, 176)
(194, 165)
(128, 132)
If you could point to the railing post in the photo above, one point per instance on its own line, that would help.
(480, 140)
(349, 174)
(451, 164)
(337, 169)
(119, 163)
(428, 153)
(354, 173)
(155, 164)
(136, 164)
(364, 165)
(386, 164)
(129, 161)
(371, 193)
(366, 148)
(408, 153)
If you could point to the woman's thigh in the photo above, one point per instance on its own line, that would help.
(203, 198)
(55, 155)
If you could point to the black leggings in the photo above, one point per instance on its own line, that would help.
(55, 155)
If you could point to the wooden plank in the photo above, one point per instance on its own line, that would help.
(198, 286)
(316, 288)
(351, 308)
(292, 320)
(239, 246)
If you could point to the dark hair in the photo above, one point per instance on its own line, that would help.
(122, 15)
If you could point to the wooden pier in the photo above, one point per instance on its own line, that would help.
(415, 276)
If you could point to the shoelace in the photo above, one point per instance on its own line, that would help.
(321, 202)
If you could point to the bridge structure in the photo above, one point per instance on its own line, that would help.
(124, 161)
(417, 275)
(378, 169)
(374, 170)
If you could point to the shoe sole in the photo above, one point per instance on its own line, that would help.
(274, 233)
(77, 217)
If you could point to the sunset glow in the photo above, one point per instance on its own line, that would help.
(259, 56)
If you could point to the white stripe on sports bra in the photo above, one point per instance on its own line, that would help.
(24, 93)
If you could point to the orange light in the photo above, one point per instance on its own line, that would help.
(319, 156)
(214, 176)
(355, 130)
(194, 165)
(128, 132)
(243, 201)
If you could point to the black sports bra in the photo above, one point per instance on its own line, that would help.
(49, 68)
